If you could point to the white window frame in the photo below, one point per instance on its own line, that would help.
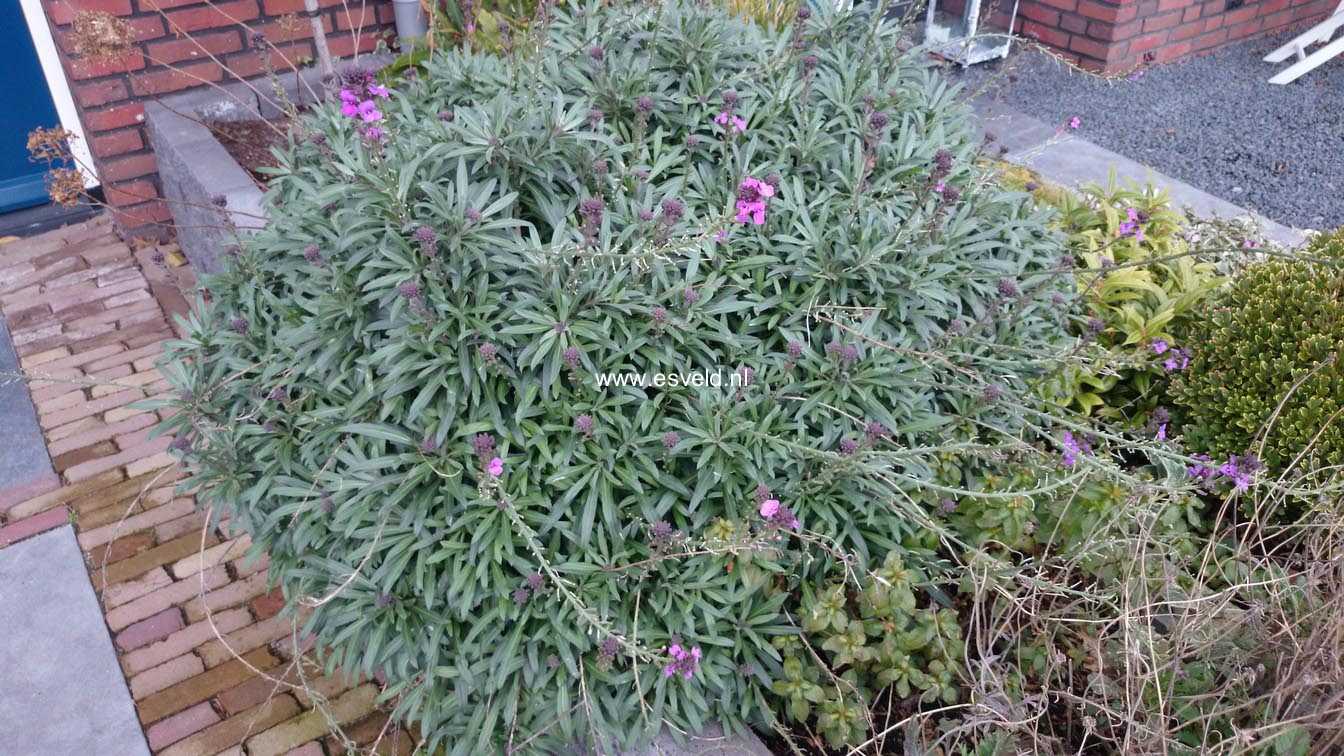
(58, 86)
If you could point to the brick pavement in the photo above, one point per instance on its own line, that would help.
(208, 657)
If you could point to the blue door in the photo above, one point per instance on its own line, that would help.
(29, 105)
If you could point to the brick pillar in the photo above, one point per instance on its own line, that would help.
(110, 94)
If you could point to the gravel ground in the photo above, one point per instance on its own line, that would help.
(1213, 122)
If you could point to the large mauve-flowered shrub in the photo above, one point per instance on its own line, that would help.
(396, 387)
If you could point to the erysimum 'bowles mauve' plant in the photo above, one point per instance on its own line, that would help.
(395, 389)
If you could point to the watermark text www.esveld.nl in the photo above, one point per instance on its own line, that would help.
(706, 378)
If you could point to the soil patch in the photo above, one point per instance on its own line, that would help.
(250, 142)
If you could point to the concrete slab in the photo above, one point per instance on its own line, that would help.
(1069, 160)
(61, 688)
(23, 456)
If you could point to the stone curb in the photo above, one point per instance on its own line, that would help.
(1070, 160)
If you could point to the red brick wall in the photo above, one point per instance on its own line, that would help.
(1117, 35)
(110, 94)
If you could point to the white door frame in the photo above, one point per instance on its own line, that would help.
(58, 86)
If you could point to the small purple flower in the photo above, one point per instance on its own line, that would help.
(268, 426)
(993, 392)
(596, 52)
(1072, 449)
(534, 581)
(383, 601)
(809, 62)
(1159, 346)
(645, 214)
(571, 356)
(1007, 288)
(849, 354)
(410, 290)
(186, 395)
(1032, 186)
(951, 194)
(795, 349)
(181, 443)
(878, 120)
(875, 431)
(684, 663)
(488, 350)
(949, 506)
(445, 115)
(219, 200)
(644, 105)
(594, 117)
(429, 445)
(1095, 326)
(521, 595)
(584, 424)
(496, 467)
(661, 530)
(671, 439)
(473, 214)
(659, 314)
(327, 505)
(848, 446)
(690, 296)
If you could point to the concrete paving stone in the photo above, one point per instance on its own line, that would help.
(63, 690)
(23, 458)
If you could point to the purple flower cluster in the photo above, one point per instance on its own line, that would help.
(777, 515)
(1176, 359)
(728, 117)
(358, 93)
(1133, 226)
(1238, 470)
(752, 196)
(684, 663)
(1072, 448)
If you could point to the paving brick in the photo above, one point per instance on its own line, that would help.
(13, 497)
(159, 556)
(169, 594)
(150, 629)
(192, 523)
(116, 594)
(137, 460)
(101, 432)
(157, 461)
(107, 533)
(169, 673)
(269, 604)
(230, 733)
(126, 547)
(180, 725)
(314, 724)
(88, 409)
(258, 690)
(204, 686)
(42, 358)
(233, 594)
(219, 651)
(184, 640)
(211, 558)
(18, 530)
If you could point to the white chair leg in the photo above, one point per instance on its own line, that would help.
(1319, 33)
(1310, 63)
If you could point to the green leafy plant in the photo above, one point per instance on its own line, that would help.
(1266, 377)
(1141, 281)
(402, 388)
